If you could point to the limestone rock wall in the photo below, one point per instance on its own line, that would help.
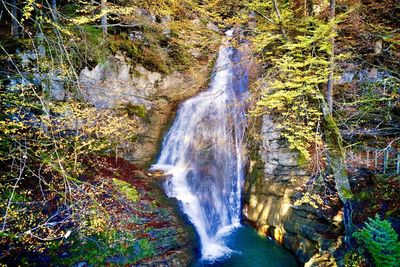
(116, 83)
(273, 185)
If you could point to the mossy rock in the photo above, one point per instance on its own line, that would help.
(127, 190)
(123, 43)
(155, 59)
(135, 110)
(112, 247)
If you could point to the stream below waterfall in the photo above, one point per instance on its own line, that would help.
(249, 249)
(204, 155)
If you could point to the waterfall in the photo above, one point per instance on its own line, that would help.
(204, 154)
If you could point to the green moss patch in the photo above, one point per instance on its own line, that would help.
(127, 190)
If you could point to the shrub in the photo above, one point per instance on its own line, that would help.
(47, 153)
(106, 248)
(381, 241)
(353, 259)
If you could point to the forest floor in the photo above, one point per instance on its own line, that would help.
(143, 226)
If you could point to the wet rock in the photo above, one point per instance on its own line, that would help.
(357, 74)
(347, 77)
(321, 259)
(30, 56)
(354, 75)
(303, 229)
(55, 86)
(81, 264)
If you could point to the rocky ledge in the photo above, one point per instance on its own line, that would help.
(278, 204)
(151, 95)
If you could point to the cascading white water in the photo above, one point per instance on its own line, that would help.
(203, 153)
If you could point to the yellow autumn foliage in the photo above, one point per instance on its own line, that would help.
(296, 51)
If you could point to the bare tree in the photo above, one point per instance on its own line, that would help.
(53, 8)
(336, 151)
(329, 89)
(103, 19)
(309, 7)
(278, 14)
(14, 19)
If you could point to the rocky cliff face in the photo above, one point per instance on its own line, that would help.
(277, 202)
(117, 84)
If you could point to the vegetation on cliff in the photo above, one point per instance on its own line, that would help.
(300, 44)
(57, 200)
(57, 204)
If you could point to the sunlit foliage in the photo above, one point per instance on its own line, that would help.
(49, 148)
(296, 53)
(46, 147)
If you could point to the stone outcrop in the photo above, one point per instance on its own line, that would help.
(274, 184)
(116, 83)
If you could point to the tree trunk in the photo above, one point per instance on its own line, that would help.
(103, 18)
(309, 7)
(14, 19)
(329, 89)
(278, 14)
(53, 8)
(337, 164)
